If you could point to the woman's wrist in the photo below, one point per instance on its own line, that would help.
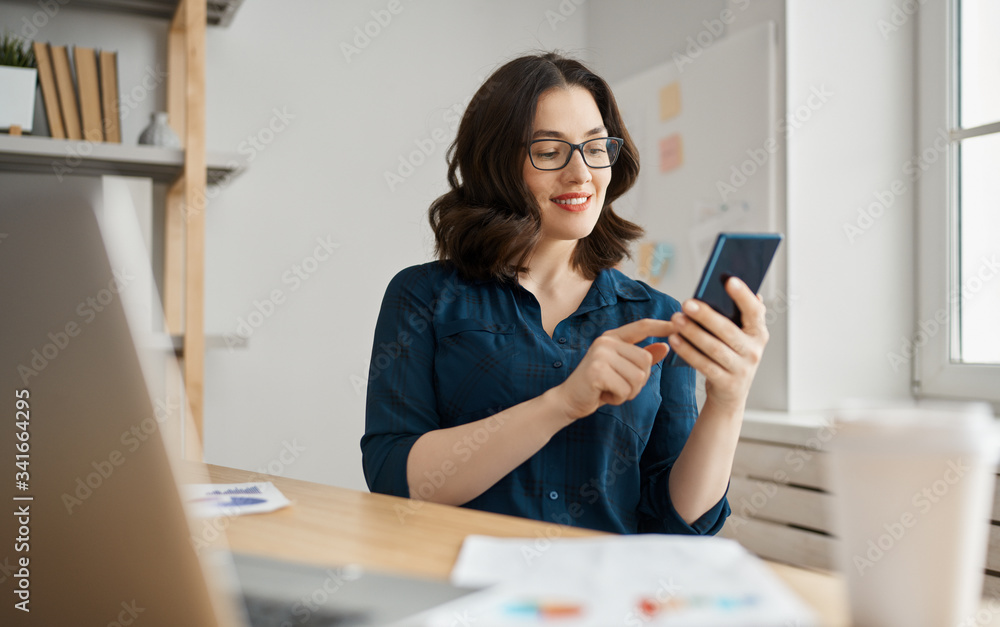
(724, 409)
(556, 408)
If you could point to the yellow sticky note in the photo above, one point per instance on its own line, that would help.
(670, 101)
(645, 264)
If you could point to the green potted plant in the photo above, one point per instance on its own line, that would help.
(18, 78)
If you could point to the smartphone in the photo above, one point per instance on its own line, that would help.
(743, 255)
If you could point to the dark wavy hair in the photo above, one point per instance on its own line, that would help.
(489, 222)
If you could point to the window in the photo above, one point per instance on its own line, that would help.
(957, 168)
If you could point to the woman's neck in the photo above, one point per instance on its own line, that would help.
(551, 265)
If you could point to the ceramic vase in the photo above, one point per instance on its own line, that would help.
(159, 133)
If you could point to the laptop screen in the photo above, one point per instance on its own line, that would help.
(100, 536)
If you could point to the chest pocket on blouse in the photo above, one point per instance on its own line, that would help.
(472, 369)
(638, 414)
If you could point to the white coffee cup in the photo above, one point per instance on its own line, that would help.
(913, 492)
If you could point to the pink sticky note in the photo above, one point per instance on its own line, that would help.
(671, 153)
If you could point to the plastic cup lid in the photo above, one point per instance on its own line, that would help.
(902, 427)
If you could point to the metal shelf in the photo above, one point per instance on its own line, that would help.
(211, 342)
(64, 157)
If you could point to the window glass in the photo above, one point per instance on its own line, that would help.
(979, 59)
(979, 195)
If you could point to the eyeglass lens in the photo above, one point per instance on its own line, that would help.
(554, 154)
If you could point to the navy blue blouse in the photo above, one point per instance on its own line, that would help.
(449, 352)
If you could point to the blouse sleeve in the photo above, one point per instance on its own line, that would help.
(674, 421)
(401, 404)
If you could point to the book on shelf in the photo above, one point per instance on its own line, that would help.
(90, 93)
(83, 104)
(50, 95)
(67, 92)
(109, 97)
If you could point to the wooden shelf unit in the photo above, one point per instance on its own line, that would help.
(184, 228)
(188, 172)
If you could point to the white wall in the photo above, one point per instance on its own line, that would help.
(855, 299)
(630, 36)
(846, 304)
(342, 124)
(626, 37)
(323, 176)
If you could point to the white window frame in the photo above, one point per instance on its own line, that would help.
(935, 373)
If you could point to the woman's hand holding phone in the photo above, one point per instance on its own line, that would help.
(728, 356)
(614, 370)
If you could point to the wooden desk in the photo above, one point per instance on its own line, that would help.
(328, 525)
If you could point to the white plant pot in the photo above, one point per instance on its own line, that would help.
(17, 106)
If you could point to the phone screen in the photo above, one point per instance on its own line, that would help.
(743, 255)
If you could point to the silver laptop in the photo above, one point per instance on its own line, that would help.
(99, 534)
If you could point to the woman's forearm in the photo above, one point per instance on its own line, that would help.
(455, 465)
(701, 473)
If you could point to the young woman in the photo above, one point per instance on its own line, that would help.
(521, 373)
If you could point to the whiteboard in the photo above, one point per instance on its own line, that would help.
(704, 123)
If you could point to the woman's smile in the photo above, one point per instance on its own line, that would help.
(574, 202)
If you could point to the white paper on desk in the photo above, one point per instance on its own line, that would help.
(206, 500)
(621, 580)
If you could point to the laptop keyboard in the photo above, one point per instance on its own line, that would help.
(264, 612)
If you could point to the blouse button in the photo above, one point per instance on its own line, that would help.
(557, 364)
(562, 340)
(553, 495)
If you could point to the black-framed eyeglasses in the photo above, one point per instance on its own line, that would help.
(555, 154)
